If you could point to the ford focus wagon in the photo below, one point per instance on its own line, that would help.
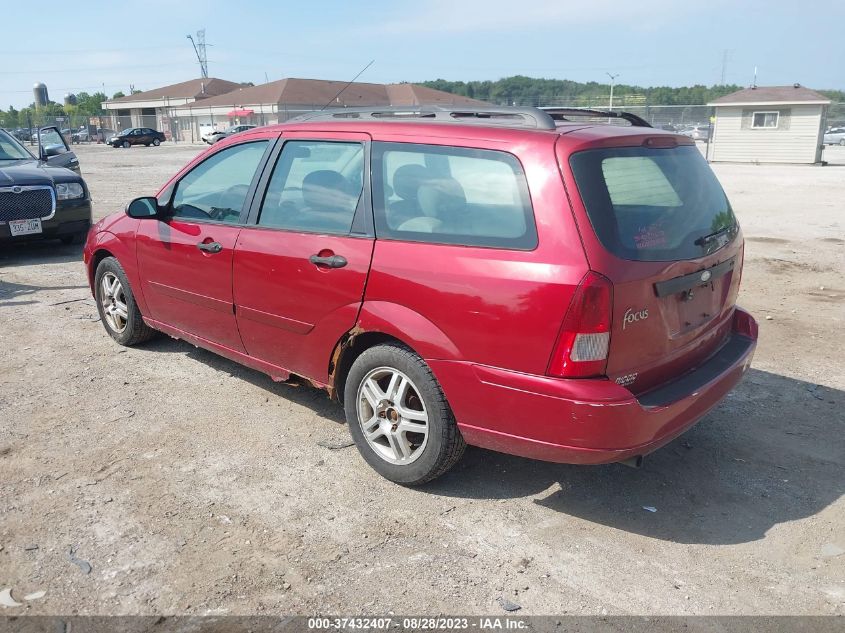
(536, 282)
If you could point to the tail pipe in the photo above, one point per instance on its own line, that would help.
(633, 462)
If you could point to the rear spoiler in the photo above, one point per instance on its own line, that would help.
(562, 114)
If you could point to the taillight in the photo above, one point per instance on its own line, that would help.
(584, 339)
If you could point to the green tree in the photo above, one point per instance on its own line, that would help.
(523, 90)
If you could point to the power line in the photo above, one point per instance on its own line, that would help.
(101, 69)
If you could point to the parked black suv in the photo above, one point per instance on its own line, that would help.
(42, 197)
(137, 136)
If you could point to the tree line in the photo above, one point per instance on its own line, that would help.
(87, 105)
(530, 91)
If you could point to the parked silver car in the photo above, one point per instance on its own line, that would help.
(835, 136)
(697, 132)
(216, 135)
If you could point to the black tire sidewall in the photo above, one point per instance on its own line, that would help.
(420, 470)
(110, 264)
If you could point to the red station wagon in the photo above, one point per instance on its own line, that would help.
(514, 279)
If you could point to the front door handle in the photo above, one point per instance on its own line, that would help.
(331, 261)
(210, 247)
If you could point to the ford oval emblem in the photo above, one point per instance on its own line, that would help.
(16, 189)
(705, 276)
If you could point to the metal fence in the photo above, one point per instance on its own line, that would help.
(96, 129)
(836, 115)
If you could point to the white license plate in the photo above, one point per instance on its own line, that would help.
(25, 227)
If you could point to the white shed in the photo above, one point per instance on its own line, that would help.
(778, 124)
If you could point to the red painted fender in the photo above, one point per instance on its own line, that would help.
(400, 322)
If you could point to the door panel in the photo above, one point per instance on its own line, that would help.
(301, 265)
(291, 312)
(185, 260)
(184, 286)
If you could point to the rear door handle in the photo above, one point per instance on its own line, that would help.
(210, 247)
(331, 261)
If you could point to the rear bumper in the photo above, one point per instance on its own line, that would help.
(587, 421)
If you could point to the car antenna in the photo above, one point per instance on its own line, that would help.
(347, 85)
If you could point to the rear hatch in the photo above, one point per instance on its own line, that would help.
(663, 232)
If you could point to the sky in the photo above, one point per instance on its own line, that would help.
(112, 46)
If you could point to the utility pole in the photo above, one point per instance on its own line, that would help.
(724, 65)
(612, 81)
(199, 49)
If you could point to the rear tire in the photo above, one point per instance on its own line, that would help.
(842, 141)
(126, 144)
(411, 436)
(116, 304)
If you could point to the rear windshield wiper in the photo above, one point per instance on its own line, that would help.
(701, 241)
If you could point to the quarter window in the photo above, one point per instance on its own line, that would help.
(315, 187)
(216, 189)
(451, 195)
(764, 120)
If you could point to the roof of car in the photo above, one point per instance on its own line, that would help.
(576, 134)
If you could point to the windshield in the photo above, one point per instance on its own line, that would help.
(650, 204)
(126, 131)
(11, 149)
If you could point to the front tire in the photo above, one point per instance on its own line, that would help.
(126, 144)
(398, 416)
(116, 304)
(156, 142)
(842, 141)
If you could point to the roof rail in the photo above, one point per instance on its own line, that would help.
(504, 116)
(561, 114)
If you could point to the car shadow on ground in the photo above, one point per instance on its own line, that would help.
(298, 391)
(769, 454)
(772, 452)
(32, 253)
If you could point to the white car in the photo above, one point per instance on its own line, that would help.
(212, 136)
(835, 136)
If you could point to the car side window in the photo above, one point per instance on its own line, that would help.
(51, 137)
(315, 187)
(451, 195)
(216, 189)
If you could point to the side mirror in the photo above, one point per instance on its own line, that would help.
(144, 208)
(54, 150)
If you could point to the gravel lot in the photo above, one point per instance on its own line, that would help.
(193, 485)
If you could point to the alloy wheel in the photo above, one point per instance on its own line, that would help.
(392, 416)
(113, 302)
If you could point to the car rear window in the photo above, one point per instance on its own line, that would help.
(451, 195)
(653, 204)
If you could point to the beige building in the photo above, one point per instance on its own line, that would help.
(149, 108)
(780, 124)
(277, 101)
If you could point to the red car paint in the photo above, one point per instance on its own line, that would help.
(488, 321)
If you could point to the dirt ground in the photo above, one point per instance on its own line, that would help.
(192, 485)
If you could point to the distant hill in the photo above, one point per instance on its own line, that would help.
(521, 90)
